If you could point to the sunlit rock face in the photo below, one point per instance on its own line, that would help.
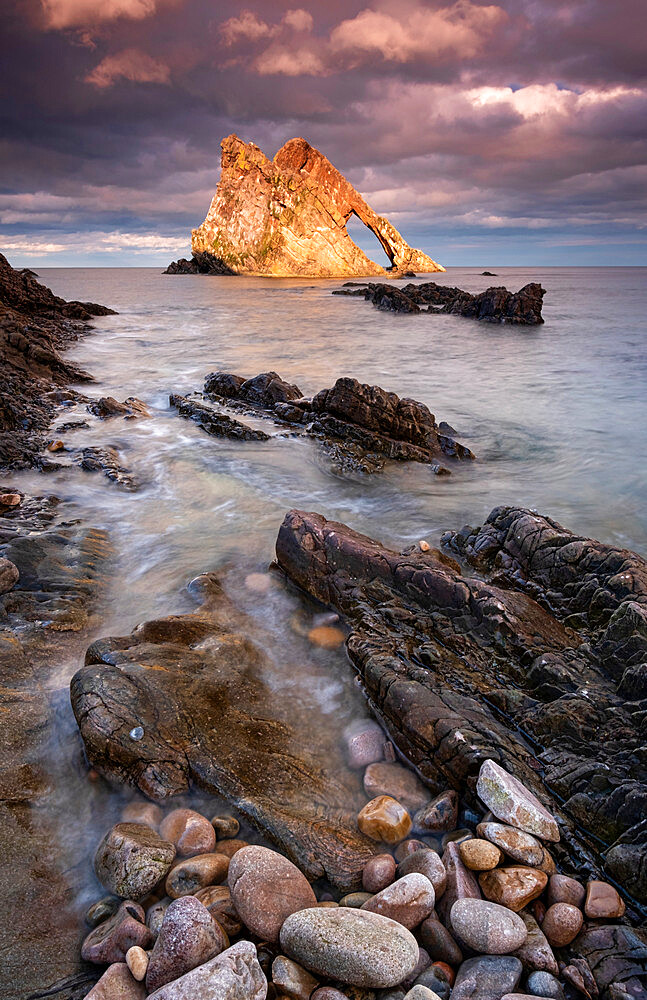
(287, 216)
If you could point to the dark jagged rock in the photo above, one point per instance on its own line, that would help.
(108, 406)
(462, 669)
(360, 426)
(106, 460)
(35, 325)
(617, 957)
(494, 305)
(200, 263)
(196, 684)
(488, 274)
(212, 421)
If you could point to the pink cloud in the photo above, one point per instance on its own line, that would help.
(131, 64)
(61, 14)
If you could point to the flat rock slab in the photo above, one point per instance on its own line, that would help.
(197, 685)
(458, 667)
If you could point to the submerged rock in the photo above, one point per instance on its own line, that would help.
(215, 423)
(440, 654)
(210, 718)
(107, 460)
(287, 216)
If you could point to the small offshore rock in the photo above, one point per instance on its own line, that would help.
(409, 900)
(143, 812)
(233, 975)
(488, 977)
(520, 846)
(385, 778)
(426, 862)
(266, 888)
(188, 877)
(131, 859)
(220, 905)
(364, 742)
(479, 855)
(563, 889)
(101, 910)
(562, 923)
(384, 819)
(378, 872)
(326, 636)
(536, 953)
(117, 984)
(292, 979)
(439, 815)
(191, 832)
(9, 575)
(137, 962)
(513, 887)
(354, 946)
(355, 899)
(544, 984)
(487, 927)
(110, 941)
(188, 937)
(439, 942)
(603, 901)
(225, 826)
(511, 802)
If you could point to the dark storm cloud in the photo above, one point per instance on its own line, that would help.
(466, 114)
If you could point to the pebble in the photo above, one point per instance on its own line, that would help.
(364, 743)
(544, 984)
(259, 583)
(110, 941)
(439, 815)
(225, 826)
(420, 992)
(187, 877)
(435, 980)
(355, 899)
(266, 888)
(384, 778)
(520, 846)
(143, 812)
(409, 900)
(292, 979)
(536, 952)
(326, 636)
(513, 887)
(354, 946)
(10, 499)
(233, 975)
(220, 905)
(562, 889)
(479, 855)
(423, 545)
(426, 862)
(439, 942)
(488, 977)
(9, 575)
(191, 832)
(547, 864)
(229, 847)
(456, 837)
(188, 937)
(131, 859)
(511, 802)
(137, 962)
(55, 446)
(424, 961)
(562, 924)
(378, 872)
(461, 883)
(407, 847)
(384, 819)
(487, 927)
(155, 915)
(101, 910)
(117, 984)
(602, 901)
(328, 993)
(443, 969)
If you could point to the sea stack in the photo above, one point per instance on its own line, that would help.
(287, 217)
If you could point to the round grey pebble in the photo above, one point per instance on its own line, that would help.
(137, 733)
(544, 984)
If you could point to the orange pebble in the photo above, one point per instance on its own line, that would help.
(446, 969)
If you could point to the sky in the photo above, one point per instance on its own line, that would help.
(510, 132)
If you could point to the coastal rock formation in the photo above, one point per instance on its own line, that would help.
(34, 325)
(287, 216)
(539, 666)
(196, 685)
(494, 305)
(360, 426)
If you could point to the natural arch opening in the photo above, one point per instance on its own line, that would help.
(367, 241)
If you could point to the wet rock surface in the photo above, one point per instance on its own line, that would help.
(35, 325)
(360, 426)
(494, 305)
(209, 718)
(452, 665)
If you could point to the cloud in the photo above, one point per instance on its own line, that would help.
(60, 14)
(95, 242)
(248, 26)
(131, 64)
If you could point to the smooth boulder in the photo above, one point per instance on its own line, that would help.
(266, 888)
(487, 927)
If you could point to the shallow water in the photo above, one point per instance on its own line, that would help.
(555, 414)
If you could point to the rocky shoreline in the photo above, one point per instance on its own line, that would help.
(482, 836)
